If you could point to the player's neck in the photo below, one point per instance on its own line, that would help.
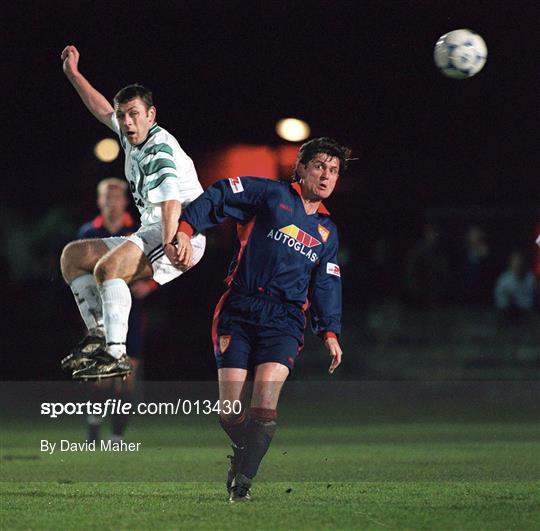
(113, 225)
(311, 206)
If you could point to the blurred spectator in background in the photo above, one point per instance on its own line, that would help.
(478, 271)
(30, 245)
(427, 271)
(115, 220)
(537, 253)
(515, 289)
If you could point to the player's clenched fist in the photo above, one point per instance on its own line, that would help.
(70, 60)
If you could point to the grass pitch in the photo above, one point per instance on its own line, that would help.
(348, 470)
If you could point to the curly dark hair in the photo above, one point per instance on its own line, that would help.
(134, 91)
(309, 150)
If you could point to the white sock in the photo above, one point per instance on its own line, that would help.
(116, 299)
(88, 300)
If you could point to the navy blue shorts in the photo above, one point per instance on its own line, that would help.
(244, 346)
(252, 329)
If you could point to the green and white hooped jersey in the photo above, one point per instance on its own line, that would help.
(158, 170)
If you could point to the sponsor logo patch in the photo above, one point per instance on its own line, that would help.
(236, 185)
(300, 236)
(224, 342)
(333, 269)
(296, 239)
(324, 232)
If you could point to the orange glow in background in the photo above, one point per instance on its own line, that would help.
(242, 159)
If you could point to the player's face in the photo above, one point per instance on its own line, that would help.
(318, 177)
(135, 120)
(112, 202)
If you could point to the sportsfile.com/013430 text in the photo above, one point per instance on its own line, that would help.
(113, 406)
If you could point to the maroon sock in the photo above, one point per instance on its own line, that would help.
(259, 433)
(235, 428)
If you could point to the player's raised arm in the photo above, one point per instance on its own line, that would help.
(96, 103)
(235, 198)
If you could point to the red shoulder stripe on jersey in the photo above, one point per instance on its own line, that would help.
(243, 232)
(215, 319)
(97, 222)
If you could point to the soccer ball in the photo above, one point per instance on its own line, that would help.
(460, 53)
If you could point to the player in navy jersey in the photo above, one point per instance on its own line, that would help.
(115, 220)
(285, 262)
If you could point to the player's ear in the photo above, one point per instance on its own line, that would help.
(299, 170)
(152, 112)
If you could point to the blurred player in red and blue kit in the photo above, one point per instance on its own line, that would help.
(285, 262)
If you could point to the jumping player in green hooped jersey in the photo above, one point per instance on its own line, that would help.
(162, 179)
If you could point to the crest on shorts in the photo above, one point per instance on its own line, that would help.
(324, 232)
(224, 342)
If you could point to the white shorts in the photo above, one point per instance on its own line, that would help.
(149, 241)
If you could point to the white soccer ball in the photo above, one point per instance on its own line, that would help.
(460, 53)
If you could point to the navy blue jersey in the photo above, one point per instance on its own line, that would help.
(281, 251)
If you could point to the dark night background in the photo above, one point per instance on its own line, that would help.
(431, 149)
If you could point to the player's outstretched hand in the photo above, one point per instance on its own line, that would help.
(70, 60)
(332, 344)
(184, 251)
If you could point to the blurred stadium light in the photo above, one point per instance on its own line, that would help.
(293, 129)
(107, 150)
